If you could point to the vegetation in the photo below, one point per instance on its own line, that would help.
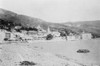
(9, 20)
(83, 51)
(62, 34)
(27, 63)
(95, 36)
(7, 25)
(6, 39)
(28, 29)
(49, 37)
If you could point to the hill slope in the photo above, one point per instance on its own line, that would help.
(89, 26)
(26, 21)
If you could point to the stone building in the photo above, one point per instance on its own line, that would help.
(40, 29)
(2, 36)
(86, 36)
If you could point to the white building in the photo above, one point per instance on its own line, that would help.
(40, 29)
(12, 36)
(24, 31)
(54, 33)
(32, 32)
(58, 39)
(6, 35)
(71, 38)
(78, 37)
(23, 36)
(86, 36)
(18, 27)
(2, 36)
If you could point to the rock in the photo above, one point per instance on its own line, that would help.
(83, 51)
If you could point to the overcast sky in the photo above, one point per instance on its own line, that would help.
(55, 10)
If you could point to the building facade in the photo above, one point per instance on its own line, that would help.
(2, 36)
(86, 36)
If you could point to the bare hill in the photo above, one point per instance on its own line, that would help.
(26, 21)
(88, 26)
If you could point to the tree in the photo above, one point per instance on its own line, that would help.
(49, 37)
(62, 34)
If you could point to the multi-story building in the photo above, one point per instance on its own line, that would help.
(86, 36)
(2, 36)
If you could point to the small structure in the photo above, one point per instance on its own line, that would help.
(18, 27)
(12, 36)
(59, 39)
(32, 32)
(40, 29)
(23, 36)
(7, 35)
(56, 34)
(24, 31)
(86, 36)
(71, 38)
(2, 36)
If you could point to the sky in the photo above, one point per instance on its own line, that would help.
(57, 11)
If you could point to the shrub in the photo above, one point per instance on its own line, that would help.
(49, 37)
(5, 39)
(27, 63)
(83, 51)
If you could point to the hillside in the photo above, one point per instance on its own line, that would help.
(89, 26)
(26, 21)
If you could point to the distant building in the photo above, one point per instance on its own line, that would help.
(13, 30)
(41, 32)
(71, 38)
(18, 27)
(2, 36)
(6, 35)
(23, 37)
(10, 36)
(54, 33)
(24, 31)
(78, 37)
(86, 36)
(59, 39)
(26, 37)
(40, 29)
(32, 32)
